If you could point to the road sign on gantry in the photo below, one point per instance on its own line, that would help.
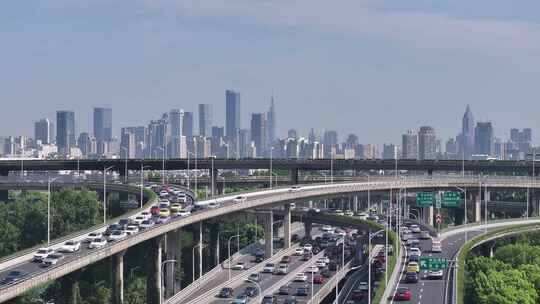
(451, 199)
(433, 263)
(424, 199)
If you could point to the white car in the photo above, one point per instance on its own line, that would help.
(326, 228)
(131, 229)
(320, 263)
(298, 251)
(435, 274)
(316, 210)
(308, 247)
(70, 246)
(295, 188)
(146, 215)
(183, 213)
(415, 229)
(300, 277)
(325, 259)
(117, 235)
(340, 232)
(213, 205)
(363, 216)
(312, 269)
(436, 246)
(239, 199)
(139, 219)
(98, 243)
(52, 259)
(92, 236)
(415, 251)
(42, 253)
(269, 268)
(239, 266)
(146, 224)
(363, 286)
(303, 209)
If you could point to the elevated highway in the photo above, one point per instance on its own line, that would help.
(256, 200)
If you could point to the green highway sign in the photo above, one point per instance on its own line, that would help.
(433, 263)
(424, 199)
(451, 199)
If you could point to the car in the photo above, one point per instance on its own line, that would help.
(239, 199)
(175, 207)
(320, 263)
(92, 236)
(424, 235)
(338, 212)
(302, 291)
(326, 228)
(146, 215)
(415, 251)
(357, 294)
(295, 237)
(251, 291)
(214, 205)
(269, 299)
(154, 210)
(139, 219)
(52, 259)
(414, 258)
(318, 279)
(97, 243)
(183, 213)
(298, 251)
(255, 277)
(333, 266)
(308, 247)
(41, 254)
(349, 213)
(117, 235)
(295, 188)
(312, 269)
(123, 223)
(225, 292)
(435, 274)
(306, 256)
(164, 212)
(70, 246)
(413, 242)
(284, 290)
(146, 224)
(239, 266)
(110, 229)
(303, 209)
(324, 259)
(290, 300)
(413, 267)
(325, 272)
(411, 277)
(12, 277)
(282, 269)
(436, 246)
(373, 217)
(405, 237)
(362, 215)
(241, 299)
(163, 219)
(269, 268)
(286, 259)
(300, 277)
(402, 294)
(415, 229)
(131, 229)
(363, 286)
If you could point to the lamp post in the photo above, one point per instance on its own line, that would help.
(162, 283)
(371, 236)
(193, 260)
(271, 171)
(229, 256)
(464, 190)
(258, 288)
(195, 156)
(105, 193)
(212, 175)
(368, 193)
(331, 166)
(49, 209)
(142, 181)
(125, 163)
(217, 245)
(162, 167)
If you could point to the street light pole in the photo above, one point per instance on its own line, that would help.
(464, 190)
(49, 210)
(162, 283)
(125, 163)
(271, 150)
(212, 175)
(105, 193)
(142, 181)
(229, 256)
(193, 260)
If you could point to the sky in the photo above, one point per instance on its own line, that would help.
(370, 67)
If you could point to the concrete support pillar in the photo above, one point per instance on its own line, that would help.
(356, 204)
(428, 215)
(294, 176)
(200, 247)
(220, 188)
(118, 284)
(172, 252)
(477, 211)
(215, 175)
(4, 195)
(153, 283)
(268, 234)
(287, 226)
(307, 229)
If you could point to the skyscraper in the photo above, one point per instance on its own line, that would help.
(187, 124)
(427, 143)
(43, 131)
(65, 137)
(330, 141)
(390, 151)
(140, 139)
(232, 114)
(175, 119)
(271, 117)
(258, 132)
(205, 120)
(483, 135)
(103, 124)
(409, 145)
(128, 145)
(466, 145)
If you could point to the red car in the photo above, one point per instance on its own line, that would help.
(154, 210)
(402, 294)
(318, 279)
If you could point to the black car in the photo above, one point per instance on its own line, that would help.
(411, 277)
(12, 277)
(269, 300)
(332, 266)
(290, 300)
(295, 238)
(325, 272)
(284, 290)
(110, 229)
(225, 292)
(250, 291)
(302, 291)
(414, 258)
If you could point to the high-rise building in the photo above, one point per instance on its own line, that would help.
(271, 117)
(258, 132)
(140, 139)
(484, 141)
(312, 137)
(157, 137)
(451, 149)
(232, 114)
(103, 124)
(330, 141)
(390, 151)
(65, 137)
(371, 151)
(205, 120)
(128, 146)
(427, 143)
(217, 142)
(466, 145)
(43, 131)
(244, 141)
(87, 144)
(187, 124)
(409, 145)
(175, 120)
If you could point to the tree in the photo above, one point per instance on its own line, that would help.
(503, 287)
(518, 254)
(136, 291)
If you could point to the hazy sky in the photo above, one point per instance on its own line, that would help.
(374, 68)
